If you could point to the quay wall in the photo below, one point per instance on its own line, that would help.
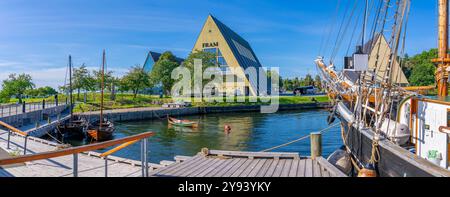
(148, 114)
(20, 120)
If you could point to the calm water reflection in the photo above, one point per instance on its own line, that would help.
(250, 132)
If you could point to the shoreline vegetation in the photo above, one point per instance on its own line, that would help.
(128, 101)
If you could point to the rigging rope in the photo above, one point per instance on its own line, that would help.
(300, 139)
(330, 30)
(340, 37)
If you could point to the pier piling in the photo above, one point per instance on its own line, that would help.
(316, 145)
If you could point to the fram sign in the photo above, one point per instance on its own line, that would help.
(209, 45)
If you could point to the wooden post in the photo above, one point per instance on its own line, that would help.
(316, 145)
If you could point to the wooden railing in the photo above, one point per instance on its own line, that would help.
(12, 129)
(123, 143)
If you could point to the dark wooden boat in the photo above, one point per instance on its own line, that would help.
(101, 133)
(72, 129)
(182, 123)
(102, 129)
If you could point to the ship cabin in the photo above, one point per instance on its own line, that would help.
(429, 123)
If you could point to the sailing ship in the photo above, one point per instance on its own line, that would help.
(73, 128)
(390, 130)
(102, 129)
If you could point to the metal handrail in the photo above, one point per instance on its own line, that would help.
(15, 130)
(15, 109)
(124, 142)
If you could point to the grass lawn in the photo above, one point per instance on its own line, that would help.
(125, 101)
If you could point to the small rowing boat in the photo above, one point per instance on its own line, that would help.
(182, 123)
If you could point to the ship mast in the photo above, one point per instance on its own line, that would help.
(70, 87)
(102, 89)
(443, 59)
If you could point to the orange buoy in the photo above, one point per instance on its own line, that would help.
(227, 128)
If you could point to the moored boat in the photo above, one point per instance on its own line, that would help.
(102, 129)
(101, 133)
(72, 129)
(182, 123)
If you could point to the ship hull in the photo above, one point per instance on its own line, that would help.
(394, 160)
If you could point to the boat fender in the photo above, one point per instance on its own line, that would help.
(368, 172)
(341, 160)
(205, 151)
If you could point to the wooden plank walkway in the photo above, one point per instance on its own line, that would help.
(212, 164)
(249, 164)
(89, 164)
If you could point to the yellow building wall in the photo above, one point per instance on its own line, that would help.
(211, 34)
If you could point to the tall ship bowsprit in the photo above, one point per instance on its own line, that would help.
(388, 128)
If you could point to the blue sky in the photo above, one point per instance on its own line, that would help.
(36, 36)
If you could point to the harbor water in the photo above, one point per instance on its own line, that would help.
(250, 132)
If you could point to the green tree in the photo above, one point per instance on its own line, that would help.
(296, 83)
(81, 80)
(162, 70)
(308, 81)
(46, 91)
(318, 82)
(135, 80)
(108, 79)
(422, 75)
(419, 69)
(17, 85)
(208, 60)
(41, 92)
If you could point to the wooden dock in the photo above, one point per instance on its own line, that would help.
(26, 156)
(249, 164)
(89, 163)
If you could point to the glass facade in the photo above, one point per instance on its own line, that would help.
(148, 66)
(220, 60)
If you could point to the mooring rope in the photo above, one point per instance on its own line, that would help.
(54, 138)
(300, 139)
